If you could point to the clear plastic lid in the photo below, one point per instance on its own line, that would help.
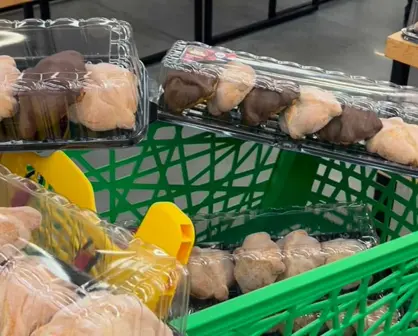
(70, 83)
(92, 254)
(291, 106)
(35, 301)
(259, 248)
(410, 33)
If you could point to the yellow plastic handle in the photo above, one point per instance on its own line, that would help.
(59, 171)
(167, 227)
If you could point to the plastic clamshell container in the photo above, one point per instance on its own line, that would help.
(244, 251)
(284, 104)
(70, 83)
(410, 33)
(94, 254)
(37, 301)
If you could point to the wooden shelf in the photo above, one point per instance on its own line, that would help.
(402, 51)
(10, 3)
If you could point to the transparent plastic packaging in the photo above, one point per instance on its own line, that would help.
(87, 252)
(284, 104)
(30, 294)
(278, 244)
(70, 83)
(410, 33)
(37, 302)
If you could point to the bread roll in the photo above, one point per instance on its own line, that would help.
(16, 225)
(236, 81)
(110, 98)
(261, 104)
(8, 77)
(338, 249)
(301, 252)
(184, 90)
(29, 296)
(258, 262)
(312, 111)
(397, 141)
(46, 93)
(352, 126)
(105, 314)
(211, 273)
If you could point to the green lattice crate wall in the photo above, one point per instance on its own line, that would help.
(393, 295)
(203, 172)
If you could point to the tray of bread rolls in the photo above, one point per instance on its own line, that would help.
(241, 252)
(70, 83)
(290, 106)
(42, 229)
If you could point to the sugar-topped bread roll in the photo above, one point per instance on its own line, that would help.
(312, 111)
(211, 273)
(110, 98)
(105, 314)
(16, 225)
(397, 141)
(8, 76)
(258, 262)
(29, 296)
(301, 252)
(235, 82)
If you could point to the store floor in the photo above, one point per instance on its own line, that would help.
(345, 35)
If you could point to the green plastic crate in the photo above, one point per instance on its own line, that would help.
(201, 172)
(204, 172)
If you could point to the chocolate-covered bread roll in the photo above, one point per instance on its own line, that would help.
(236, 81)
(261, 104)
(352, 126)
(46, 92)
(184, 90)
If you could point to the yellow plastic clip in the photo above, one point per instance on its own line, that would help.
(58, 171)
(167, 227)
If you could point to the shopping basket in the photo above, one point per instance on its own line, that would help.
(205, 172)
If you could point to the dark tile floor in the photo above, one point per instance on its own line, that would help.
(346, 35)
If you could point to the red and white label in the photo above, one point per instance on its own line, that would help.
(196, 54)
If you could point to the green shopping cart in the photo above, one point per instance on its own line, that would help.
(205, 172)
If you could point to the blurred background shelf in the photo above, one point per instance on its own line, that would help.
(204, 19)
